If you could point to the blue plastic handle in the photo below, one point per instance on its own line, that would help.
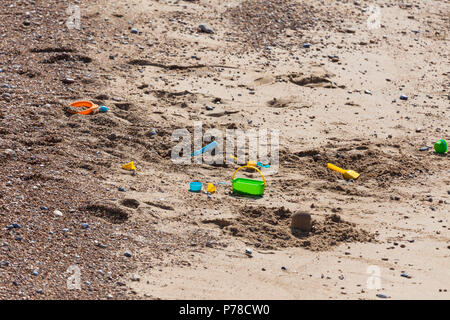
(259, 164)
(210, 146)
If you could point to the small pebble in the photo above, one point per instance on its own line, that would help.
(405, 275)
(68, 80)
(403, 97)
(58, 213)
(127, 254)
(135, 277)
(10, 152)
(204, 28)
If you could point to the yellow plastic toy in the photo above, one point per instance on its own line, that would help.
(129, 166)
(348, 174)
(252, 164)
(211, 188)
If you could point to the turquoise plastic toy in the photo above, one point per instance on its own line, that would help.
(195, 186)
(208, 147)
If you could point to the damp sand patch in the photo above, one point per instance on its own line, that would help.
(270, 228)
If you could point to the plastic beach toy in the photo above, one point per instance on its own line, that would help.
(210, 188)
(91, 107)
(441, 146)
(248, 186)
(348, 174)
(129, 166)
(208, 147)
(103, 109)
(259, 164)
(195, 186)
(252, 163)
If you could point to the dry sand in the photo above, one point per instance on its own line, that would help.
(337, 101)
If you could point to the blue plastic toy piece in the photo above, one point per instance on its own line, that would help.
(259, 164)
(195, 186)
(210, 146)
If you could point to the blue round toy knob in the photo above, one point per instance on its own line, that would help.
(103, 109)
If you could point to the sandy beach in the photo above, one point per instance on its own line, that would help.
(362, 85)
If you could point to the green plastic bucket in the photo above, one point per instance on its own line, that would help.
(441, 146)
(246, 186)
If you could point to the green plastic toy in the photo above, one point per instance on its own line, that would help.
(246, 186)
(441, 146)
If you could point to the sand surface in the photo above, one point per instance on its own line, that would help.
(337, 101)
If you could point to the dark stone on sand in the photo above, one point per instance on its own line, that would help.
(205, 29)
